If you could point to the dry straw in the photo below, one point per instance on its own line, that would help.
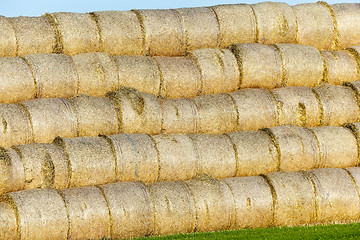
(7, 39)
(276, 22)
(315, 25)
(201, 27)
(354, 173)
(131, 212)
(120, 32)
(174, 208)
(8, 224)
(260, 65)
(12, 171)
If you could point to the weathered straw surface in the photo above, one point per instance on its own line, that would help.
(33, 35)
(336, 196)
(16, 80)
(237, 24)
(176, 152)
(164, 32)
(97, 74)
(131, 212)
(174, 208)
(298, 106)
(7, 38)
(216, 155)
(120, 32)
(201, 27)
(355, 176)
(12, 171)
(8, 224)
(219, 70)
(253, 202)
(139, 72)
(260, 65)
(91, 160)
(315, 25)
(256, 109)
(55, 75)
(181, 77)
(136, 157)
(276, 22)
(88, 213)
(214, 203)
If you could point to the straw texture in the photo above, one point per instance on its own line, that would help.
(12, 171)
(8, 225)
(7, 39)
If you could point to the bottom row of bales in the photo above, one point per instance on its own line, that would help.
(131, 209)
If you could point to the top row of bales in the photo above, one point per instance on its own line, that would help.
(174, 32)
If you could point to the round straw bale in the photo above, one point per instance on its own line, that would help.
(339, 104)
(179, 116)
(215, 155)
(216, 113)
(237, 24)
(33, 35)
(16, 80)
(253, 202)
(88, 213)
(338, 147)
(355, 176)
(120, 32)
(12, 177)
(177, 157)
(336, 196)
(136, 157)
(79, 32)
(174, 208)
(7, 38)
(256, 109)
(255, 152)
(201, 27)
(97, 73)
(164, 33)
(214, 203)
(298, 106)
(8, 224)
(138, 112)
(15, 125)
(41, 214)
(347, 17)
(260, 65)
(180, 77)
(219, 70)
(91, 160)
(302, 65)
(139, 72)
(315, 25)
(131, 209)
(51, 118)
(55, 75)
(94, 115)
(276, 22)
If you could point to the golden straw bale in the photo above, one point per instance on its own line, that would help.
(97, 73)
(276, 22)
(237, 23)
(12, 177)
(253, 202)
(33, 35)
(214, 203)
(201, 27)
(16, 80)
(336, 196)
(355, 129)
(315, 25)
(136, 157)
(260, 65)
(55, 75)
(177, 157)
(120, 32)
(219, 70)
(164, 33)
(256, 109)
(131, 209)
(295, 198)
(174, 208)
(139, 72)
(7, 38)
(215, 155)
(91, 160)
(8, 224)
(181, 77)
(88, 213)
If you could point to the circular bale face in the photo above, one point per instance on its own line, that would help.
(7, 39)
(8, 224)
(12, 177)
